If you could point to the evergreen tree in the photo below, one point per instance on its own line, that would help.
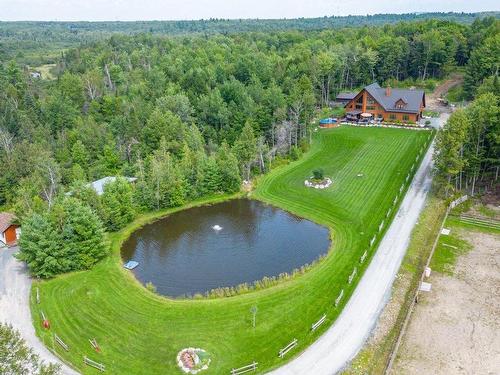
(69, 237)
(82, 234)
(448, 155)
(41, 247)
(209, 179)
(229, 173)
(117, 206)
(245, 149)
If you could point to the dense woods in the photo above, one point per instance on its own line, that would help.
(29, 42)
(468, 148)
(191, 116)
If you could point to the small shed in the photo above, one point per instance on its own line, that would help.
(98, 185)
(9, 231)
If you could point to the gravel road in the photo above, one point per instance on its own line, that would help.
(345, 338)
(15, 285)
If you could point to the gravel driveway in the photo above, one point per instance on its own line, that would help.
(345, 338)
(15, 285)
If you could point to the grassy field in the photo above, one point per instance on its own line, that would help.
(141, 333)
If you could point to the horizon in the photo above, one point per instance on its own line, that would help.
(216, 19)
(197, 10)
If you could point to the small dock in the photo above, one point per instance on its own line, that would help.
(131, 264)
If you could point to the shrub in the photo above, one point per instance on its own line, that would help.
(318, 174)
(151, 287)
(295, 153)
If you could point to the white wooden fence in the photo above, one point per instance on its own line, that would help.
(287, 348)
(318, 323)
(352, 275)
(339, 298)
(381, 226)
(244, 369)
(94, 364)
(61, 342)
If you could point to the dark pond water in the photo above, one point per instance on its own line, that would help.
(183, 254)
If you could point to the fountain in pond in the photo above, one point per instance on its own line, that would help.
(217, 227)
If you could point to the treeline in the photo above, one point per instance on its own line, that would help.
(29, 41)
(194, 116)
(467, 155)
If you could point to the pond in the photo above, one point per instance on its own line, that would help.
(225, 244)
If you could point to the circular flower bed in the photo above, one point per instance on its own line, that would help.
(193, 360)
(322, 184)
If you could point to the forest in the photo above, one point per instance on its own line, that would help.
(195, 115)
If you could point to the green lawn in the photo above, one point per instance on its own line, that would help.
(141, 333)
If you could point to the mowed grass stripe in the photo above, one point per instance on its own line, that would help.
(141, 333)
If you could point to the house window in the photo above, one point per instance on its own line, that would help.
(392, 116)
(371, 107)
(406, 117)
(359, 103)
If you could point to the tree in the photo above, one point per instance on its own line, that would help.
(483, 139)
(163, 180)
(245, 149)
(48, 177)
(164, 125)
(109, 160)
(484, 62)
(227, 163)
(431, 43)
(69, 237)
(41, 247)
(17, 358)
(209, 179)
(117, 206)
(448, 154)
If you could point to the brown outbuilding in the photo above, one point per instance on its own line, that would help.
(9, 231)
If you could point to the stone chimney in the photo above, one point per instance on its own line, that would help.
(388, 91)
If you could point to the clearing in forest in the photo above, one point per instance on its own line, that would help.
(139, 331)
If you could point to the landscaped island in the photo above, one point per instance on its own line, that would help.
(138, 330)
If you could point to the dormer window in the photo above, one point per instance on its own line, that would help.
(400, 104)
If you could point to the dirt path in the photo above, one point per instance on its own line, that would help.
(15, 285)
(455, 328)
(431, 100)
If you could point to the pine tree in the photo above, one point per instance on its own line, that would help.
(40, 245)
(82, 234)
(245, 149)
(209, 179)
(69, 237)
(230, 179)
(117, 206)
(448, 155)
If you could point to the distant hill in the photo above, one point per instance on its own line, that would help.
(215, 25)
(32, 39)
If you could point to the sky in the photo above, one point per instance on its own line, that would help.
(131, 10)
